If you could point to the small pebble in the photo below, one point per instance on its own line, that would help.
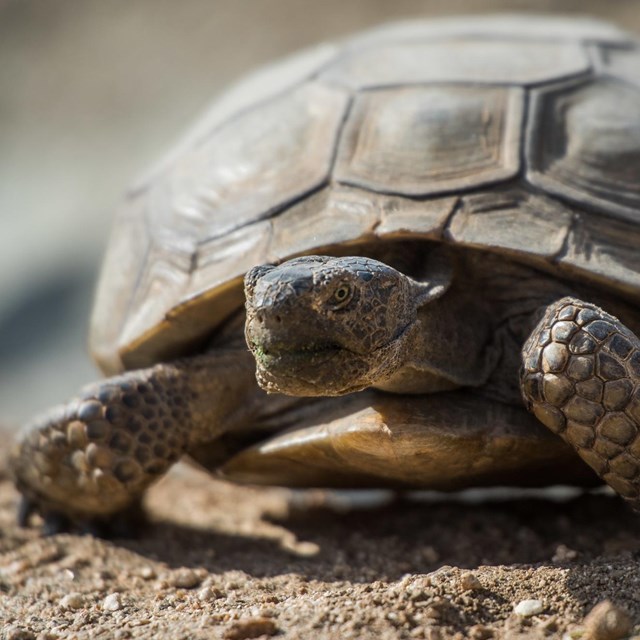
(16, 567)
(148, 573)
(528, 608)
(480, 632)
(251, 628)
(209, 593)
(72, 601)
(606, 621)
(184, 578)
(112, 602)
(469, 581)
(161, 585)
(15, 633)
(434, 611)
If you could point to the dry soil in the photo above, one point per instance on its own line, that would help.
(222, 561)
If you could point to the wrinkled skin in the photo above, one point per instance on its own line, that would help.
(330, 326)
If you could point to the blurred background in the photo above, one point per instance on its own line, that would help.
(91, 93)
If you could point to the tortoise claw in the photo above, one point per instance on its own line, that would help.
(26, 508)
(53, 521)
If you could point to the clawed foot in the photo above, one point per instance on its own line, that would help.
(85, 465)
(581, 378)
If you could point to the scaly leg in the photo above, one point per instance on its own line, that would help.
(581, 378)
(85, 462)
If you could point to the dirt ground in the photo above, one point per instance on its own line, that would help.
(91, 93)
(229, 562)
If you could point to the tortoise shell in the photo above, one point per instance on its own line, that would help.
(519, 135)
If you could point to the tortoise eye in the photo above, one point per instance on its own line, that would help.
(341, 296)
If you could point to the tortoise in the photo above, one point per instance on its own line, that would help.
(438, 227)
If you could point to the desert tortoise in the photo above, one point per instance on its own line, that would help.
(435, 215)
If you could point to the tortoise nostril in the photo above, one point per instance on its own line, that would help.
(278, 319)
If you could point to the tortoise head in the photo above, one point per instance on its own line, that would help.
(326, 326)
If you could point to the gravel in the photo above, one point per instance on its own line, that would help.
(222, 561)
(112, 602)
(72, 601)
(528, 608)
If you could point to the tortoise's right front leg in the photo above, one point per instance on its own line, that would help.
(581, 378)
(88, 460)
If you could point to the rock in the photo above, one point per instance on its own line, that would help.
(469, 581)
(185, 578)
(209, 593)
(480, 632)
(112, 602)
(528, 608)
(15, 633)
(148, 573)
(72, 601)
(251, 628)
(606, 621)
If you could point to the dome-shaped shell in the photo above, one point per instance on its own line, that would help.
(518, 134)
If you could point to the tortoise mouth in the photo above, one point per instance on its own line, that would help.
(314, 369)
(269, 354)
(321, 367)
(325, 369)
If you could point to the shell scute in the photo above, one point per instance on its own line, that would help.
(448, 138)
(585, 144)
(512, 220)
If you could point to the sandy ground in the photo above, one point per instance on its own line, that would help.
(222, 561)
(91, 93)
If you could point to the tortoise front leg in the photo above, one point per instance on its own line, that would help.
(91, 459)
(581, 378)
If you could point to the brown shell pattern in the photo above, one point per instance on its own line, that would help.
(518, 135)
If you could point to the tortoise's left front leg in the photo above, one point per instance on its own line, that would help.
(87, 463)
(581, 378)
